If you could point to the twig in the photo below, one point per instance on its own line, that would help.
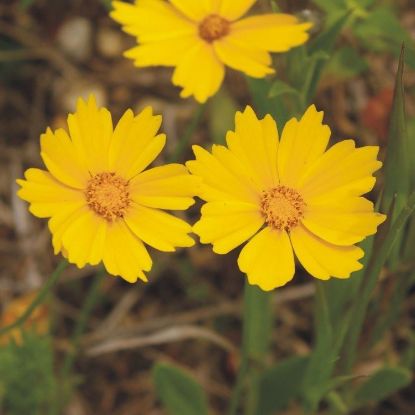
(168, 335)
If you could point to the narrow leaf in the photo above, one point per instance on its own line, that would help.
(382, 384)
(179, 392)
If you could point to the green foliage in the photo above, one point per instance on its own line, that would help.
(382, 384)
(27, 382)
(346, 63)
(179, 392)
(280, 384)
(222, 108)
(375, 26)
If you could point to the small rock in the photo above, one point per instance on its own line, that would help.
(109, 43)
(75, 38)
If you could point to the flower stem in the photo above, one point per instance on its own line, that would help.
(257, 324)
(40, 298)
(183, 142)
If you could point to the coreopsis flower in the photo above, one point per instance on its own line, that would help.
(200, 37)
(101, 203)
(287, 196)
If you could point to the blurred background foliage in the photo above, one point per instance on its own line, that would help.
(99, 345)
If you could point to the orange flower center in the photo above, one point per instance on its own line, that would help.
(108, 195)
(213, 27)
(282, 207)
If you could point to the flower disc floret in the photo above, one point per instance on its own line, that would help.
(108, 195)
(282, 207)
(213, 27)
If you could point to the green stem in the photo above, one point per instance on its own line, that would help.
(183, 143)
(40, 298)
(256, 336)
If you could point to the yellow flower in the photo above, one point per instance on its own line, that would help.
(101, 203)
(301, 197)
(200, 37)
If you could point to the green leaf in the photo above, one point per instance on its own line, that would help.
(330, 6)
(397, 163)
(382, 384)
(319, 50)
(281, 88)
(325, 40)
(382, 31)
(179, 392)
(346, 63)
(280, 384)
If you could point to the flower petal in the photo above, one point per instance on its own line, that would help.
(91, 131)
(233, 10)
(84, 239)
(227, 225)
(134, 144)
(343, 222)
(302, 143)
(342, 171)
(255, 144)
(165, 52)
(165, 187)
(323, 260)
(253, 61)
(159, 229)
(45, 194)
(219, 181)
(61, 158)
(268, 259)
(194, 10)
(152, 20)
(199, 72)
(275, 32)
(124, 254)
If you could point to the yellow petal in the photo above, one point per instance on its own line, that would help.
(165, 52)
(343, 222)
(342, 170)
(61, 220)
(302, 143)
(227, 225)
(255, 144)
(165, 187)
(159, 229)
(199, 72)
(323, 260)
(45, 194)
(124, 254)
(91, 131)
(268, 259)
(194, 10)
(253, 61)
(62, 159)
(219, 182)
(84, 239)
(152, 20)
(134, 144)
(271, 32)
(233, 10)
